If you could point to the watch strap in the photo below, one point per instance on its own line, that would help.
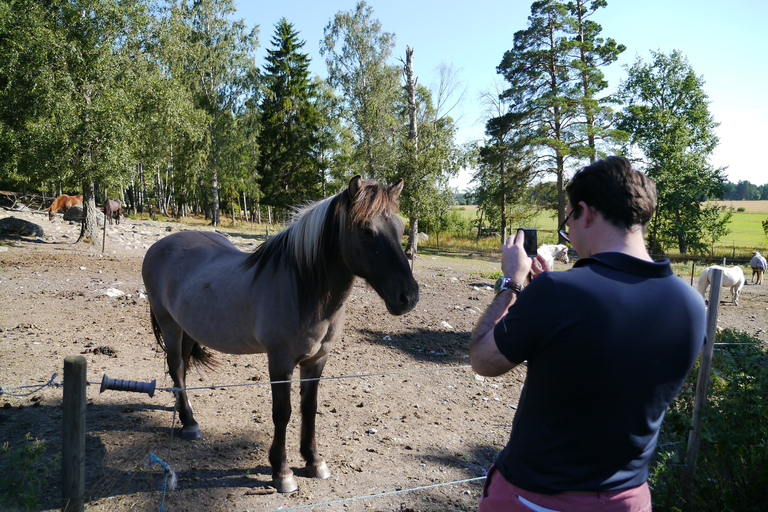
(505, 283)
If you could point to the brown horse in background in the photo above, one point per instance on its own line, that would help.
(112, 207)
(63, 202)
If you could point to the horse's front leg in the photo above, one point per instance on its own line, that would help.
(280, 375)
(316, 466)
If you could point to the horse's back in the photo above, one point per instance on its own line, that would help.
(188, 250)
(732, 276)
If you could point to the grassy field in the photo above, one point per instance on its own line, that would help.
(746, 228)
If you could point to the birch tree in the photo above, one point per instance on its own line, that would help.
(356, 52)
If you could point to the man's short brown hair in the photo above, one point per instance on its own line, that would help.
(623, 196)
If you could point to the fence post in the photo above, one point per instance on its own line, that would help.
(702, 383)
(693, 271)
(73, 435)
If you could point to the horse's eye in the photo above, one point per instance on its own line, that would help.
(367, 232)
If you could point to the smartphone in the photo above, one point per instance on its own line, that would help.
(529, 242)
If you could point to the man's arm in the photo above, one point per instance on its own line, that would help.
(484, 355)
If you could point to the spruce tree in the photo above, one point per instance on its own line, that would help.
(288, 169)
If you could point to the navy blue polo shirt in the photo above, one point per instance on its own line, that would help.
(608, 345)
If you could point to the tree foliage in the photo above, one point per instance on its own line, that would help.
(357, 53)
(221, 60)
(668, 119)
(554, 105)
(288, 168)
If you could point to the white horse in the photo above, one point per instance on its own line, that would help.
(552, 252)
(733, 278)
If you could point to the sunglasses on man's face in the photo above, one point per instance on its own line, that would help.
(564, 228)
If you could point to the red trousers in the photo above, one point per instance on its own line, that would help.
(501, 496)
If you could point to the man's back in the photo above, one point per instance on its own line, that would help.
(618, 339)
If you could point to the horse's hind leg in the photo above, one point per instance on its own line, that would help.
(316, 466)
(280, 373)
(179, 347)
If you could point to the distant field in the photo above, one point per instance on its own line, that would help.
(749, 206)
(746, 227)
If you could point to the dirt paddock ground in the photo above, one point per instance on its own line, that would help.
(399, 408)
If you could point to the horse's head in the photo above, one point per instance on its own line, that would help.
(371, 243)
(51, 213)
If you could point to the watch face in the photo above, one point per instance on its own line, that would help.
(501, 284)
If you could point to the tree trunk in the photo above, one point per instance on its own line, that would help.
(413, 137)
(413, 235)
(681, 242)
(503, 205)
(214, 181)
(89, 229)
(561, 200)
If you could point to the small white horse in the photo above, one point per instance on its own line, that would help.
(759, 266)
(733, 278)
(552, 252)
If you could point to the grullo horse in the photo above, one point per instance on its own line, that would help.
(287, 299)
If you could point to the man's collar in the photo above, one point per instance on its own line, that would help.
(629, 264)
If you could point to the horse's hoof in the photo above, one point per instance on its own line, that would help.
(191, 433)
(320, 471)
(285, 484)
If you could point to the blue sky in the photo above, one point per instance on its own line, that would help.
(725, 42)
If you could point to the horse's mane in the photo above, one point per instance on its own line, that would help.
(315, 231)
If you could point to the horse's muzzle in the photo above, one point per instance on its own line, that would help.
(406, 301)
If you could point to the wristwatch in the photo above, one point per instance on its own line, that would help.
(505, 283)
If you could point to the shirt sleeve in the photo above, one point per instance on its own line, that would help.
(530, 321)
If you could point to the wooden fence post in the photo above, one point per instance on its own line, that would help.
(73, 435)
(702, 383)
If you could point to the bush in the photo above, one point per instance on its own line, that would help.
(732, 467)
(24, 470)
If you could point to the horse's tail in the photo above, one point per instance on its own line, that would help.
(199, 355)
(156, 331)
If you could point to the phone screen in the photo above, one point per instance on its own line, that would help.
(530, 242)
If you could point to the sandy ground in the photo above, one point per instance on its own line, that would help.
(400, 409)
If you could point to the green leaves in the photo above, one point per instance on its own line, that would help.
(667, 117)
(289, 168)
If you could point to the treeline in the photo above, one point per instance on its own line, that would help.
(544, 194)
(745, 191)
(163, 105)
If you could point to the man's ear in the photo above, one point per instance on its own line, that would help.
(588, 214)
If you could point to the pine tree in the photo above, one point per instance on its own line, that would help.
(543, 96)
(589, 53)
(288, 169)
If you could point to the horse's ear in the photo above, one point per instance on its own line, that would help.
(396, 189)
(355, 184)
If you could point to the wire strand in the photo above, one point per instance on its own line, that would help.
(389, 493)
